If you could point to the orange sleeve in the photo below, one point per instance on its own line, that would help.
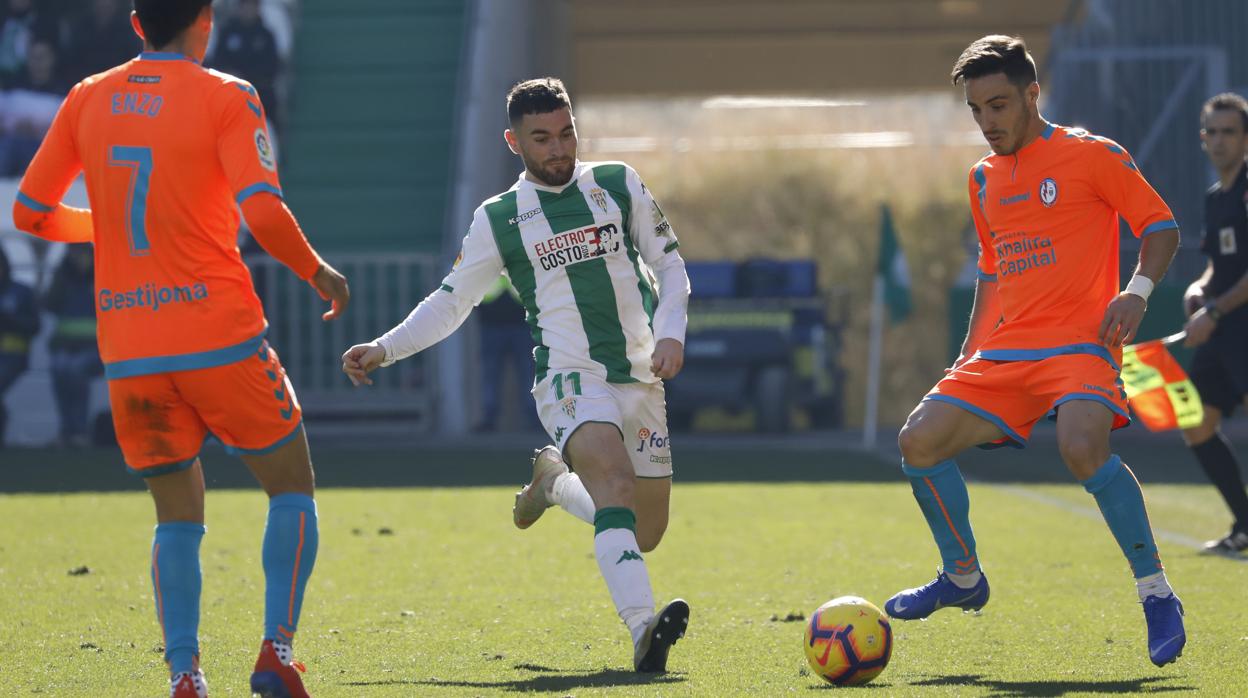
(1119, 182)
(61, 224)
(38, 209)
(977, 184)
(243, 141)
(275, 228)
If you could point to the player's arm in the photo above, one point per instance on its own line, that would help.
(985, 316)
(986, 311)
(38, 209)
(1119, 182)
(1194, 296)
(657, 243)
(247, 159)
(440, 313)
(274, 226)
(1210, 310)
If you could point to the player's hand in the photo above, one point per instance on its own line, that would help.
(332, 286)
(1193, 299)
(1199, 328)
(360, 360)
(1122, 319)
(668, 358)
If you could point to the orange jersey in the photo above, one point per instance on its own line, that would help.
(1047, 220)
(168, 149)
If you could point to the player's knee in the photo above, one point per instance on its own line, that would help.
(1083, 453)
(918, 448)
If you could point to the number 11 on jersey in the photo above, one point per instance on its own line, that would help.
(574, 379)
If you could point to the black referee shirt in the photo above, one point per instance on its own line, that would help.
(1226, 234)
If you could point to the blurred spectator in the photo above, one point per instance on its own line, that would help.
(75, 354)
(27, 110)
(505, 341)
(19, 322)
(245, 48)
(100, 39)
(21, 24)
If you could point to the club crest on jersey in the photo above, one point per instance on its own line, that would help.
(264, 151)
(600, 198)
(1048, 192)
(569, 407)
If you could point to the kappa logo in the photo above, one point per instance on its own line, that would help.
(559, 434)
(1048, 192)
(600, 197)
(533, 213)
(629, 555)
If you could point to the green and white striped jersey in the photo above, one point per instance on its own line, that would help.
(580, 256)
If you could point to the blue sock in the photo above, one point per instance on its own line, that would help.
(1118, 494)
(176, 580)
(941, 494)
(290, 541)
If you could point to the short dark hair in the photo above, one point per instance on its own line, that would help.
(536, 96)
(163, 20)
(1227, 101)
(996, 53)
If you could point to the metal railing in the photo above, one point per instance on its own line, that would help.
(384, 289)
(1138, 71)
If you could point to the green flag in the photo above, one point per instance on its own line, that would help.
(891, 265)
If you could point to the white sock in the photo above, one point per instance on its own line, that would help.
(569, 492)
(965, 581)
(621, 565)
(1153, 585)
(283, 651)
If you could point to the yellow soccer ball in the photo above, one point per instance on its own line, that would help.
(848, 641)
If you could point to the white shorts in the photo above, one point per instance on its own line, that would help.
(569, 399)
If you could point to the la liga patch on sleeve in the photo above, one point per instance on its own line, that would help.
(264, 150)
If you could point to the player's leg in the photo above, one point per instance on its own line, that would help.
(1219, 391)
(935, 431)
(251, 407)
(160, 437)
(1083, 428)
(653, 498)
(176, 575)
(597, 451)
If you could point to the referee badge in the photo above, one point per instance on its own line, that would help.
(1048, 192)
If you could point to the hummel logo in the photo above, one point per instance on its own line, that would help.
(629, 555)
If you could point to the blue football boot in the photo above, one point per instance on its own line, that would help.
(1166, 637)
(915, 604)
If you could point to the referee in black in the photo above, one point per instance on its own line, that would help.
(1217, 308)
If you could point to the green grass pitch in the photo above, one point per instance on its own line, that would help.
(430, 591)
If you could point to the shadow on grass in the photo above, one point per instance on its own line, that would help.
(556, 680)
(1057, 687)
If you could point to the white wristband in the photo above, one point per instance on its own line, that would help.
(1141, 286)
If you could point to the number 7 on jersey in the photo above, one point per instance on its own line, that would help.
(139, 160)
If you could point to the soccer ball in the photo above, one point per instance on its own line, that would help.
(848, 641)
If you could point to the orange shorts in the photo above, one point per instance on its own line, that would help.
(1014, 395)
(162, 419)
